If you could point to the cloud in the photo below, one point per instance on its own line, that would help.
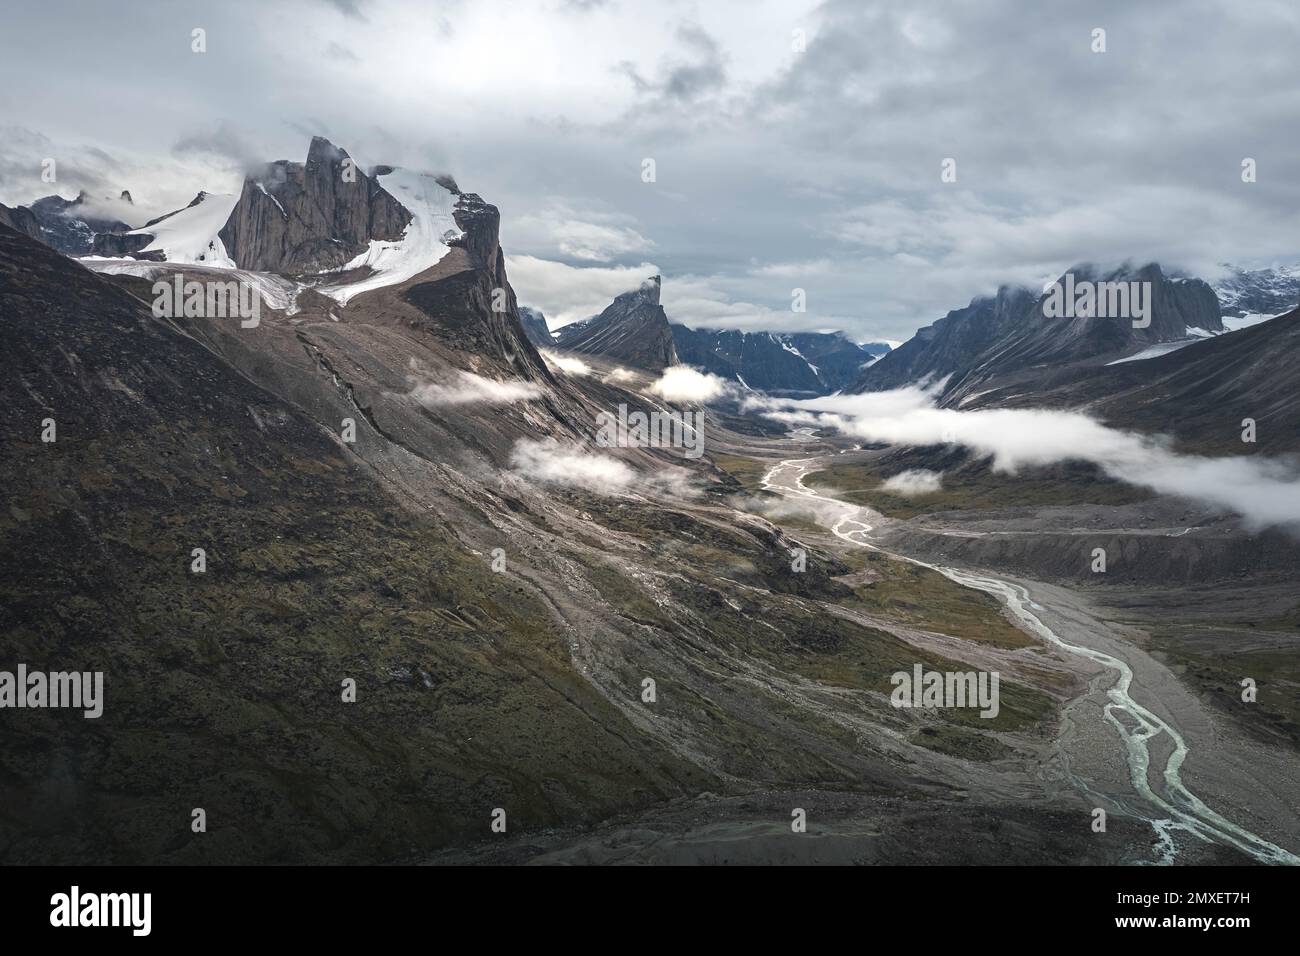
(681, 80)
(551, 462)
(349, 8)
(560, 230)
(1263, 491)
(914, 482)
(681, 383)
(158, 184)
(566, 363)
(225, 142)
(337, 51)
(473, 389)
(775, 168)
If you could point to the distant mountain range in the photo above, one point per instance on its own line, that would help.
(794, 364)
(1271, 291)
(635, 330)
(1013, 337)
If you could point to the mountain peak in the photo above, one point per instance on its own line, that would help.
(297, 217)
(650, 289)
(322, 150)
(632, 329)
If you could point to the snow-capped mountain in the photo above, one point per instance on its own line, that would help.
(188, 235)
(70, 225)
(786, 363)
(323, 224)
(1258, 293)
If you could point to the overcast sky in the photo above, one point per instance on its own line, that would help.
(776, 167)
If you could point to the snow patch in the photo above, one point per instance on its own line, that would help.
(189, 235)
(422, 245)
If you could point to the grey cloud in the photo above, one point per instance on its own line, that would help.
(224, 141)
(775, 169)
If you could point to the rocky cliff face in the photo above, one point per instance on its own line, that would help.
(632, 329)
(1015, 333)
(309, 217)
(21, 219)
(535, 327)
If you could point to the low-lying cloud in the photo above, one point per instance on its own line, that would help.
(468, 388)
(570, 465)
(913, 482)
(681, 383)
(565, 363)
(1263, 491)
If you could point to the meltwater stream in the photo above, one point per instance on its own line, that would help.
(1183, 809)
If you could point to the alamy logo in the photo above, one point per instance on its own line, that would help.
(939, 689)
(75, 908)
(651, 430)
(81, 691)
(207, 300)
(1086, 299)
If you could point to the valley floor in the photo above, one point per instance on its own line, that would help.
(1180, 780)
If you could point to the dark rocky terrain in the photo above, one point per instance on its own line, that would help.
(632, 329)
(372, 560)
(21, 219)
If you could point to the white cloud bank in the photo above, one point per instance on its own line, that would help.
(681, 383)
(565, 363)
(469, 389)
(1263, 491)
(552, 462)
(914, 482)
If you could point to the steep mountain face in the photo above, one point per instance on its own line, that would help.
(309, 217)
(792, 364)
(1200, 394)
(953, 343)
(21, 219)
(756, 359)
(324, 561)
(838, 359)
(535, 327)
(633, 329)
(1012, 337)
(68, 226)
(1270, 291)
(371, 560)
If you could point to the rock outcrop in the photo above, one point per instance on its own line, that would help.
(21, 219)
(309, 217)
(535, 327)
(632, 329)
